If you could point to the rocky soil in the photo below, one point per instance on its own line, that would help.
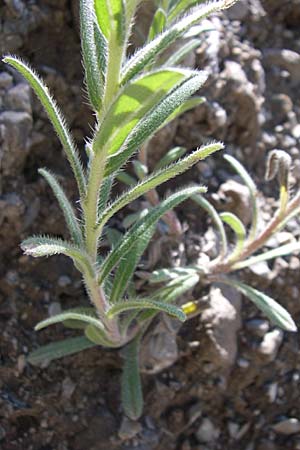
(227, 379)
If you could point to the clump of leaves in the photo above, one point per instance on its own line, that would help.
(248, 246)
(132, 98)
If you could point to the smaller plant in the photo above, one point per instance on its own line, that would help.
(248, 246)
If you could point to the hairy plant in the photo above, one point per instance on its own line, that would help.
(132, 98)
(248, 246)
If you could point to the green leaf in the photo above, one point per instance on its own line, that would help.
(283, 250)
(110, 16)
(186, 106)
(128, 265)
(133, 102)
(273, 310)
(141, 170)
(156, 179)
(114, 236)
(66, 207)
(238, 227)
(158, 24)
(131, 387)
(104, 194)
(59, 349)
(201, 201)
(171, 156)
(94, 51)
(37, 246)
(178, 55)
(125, 178)
(152, 121)
(147, 54)
(77, 324)
(140, 227)
(132, 218)
(180, 6)
(163, 275)
(81, 314)
(242, 172)
(55, 117)
(98, 337)
(143, 304)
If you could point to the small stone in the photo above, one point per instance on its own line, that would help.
(54, 308)
(243, 363)
(259, 327)
(129, 429)
(239, 11)
(5, 80)
(207, 432)
(296, 131)
(287, 426)
(64, 281)
(68, 387)
(272, 391)
(270, 344)
(233, 429)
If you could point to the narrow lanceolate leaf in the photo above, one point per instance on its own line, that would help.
(157, 178)
(171, 156)
(158, 24)
(140, 227)
(182, 52)
(284, 250)
(242, 172)
(163, 275)
(59, 349)
(238, 228)
(104, 194)
(131, 387)
(154, 119)
(143, 304)
(83, 316)
(55, 117)
(273, 310)
(44, 246)
(149, 52)
(91, 39)
(66, 207)
(179, 7)
(185, 106)
(110, 16)
(201, 201)
(133, 102)
(128, 265)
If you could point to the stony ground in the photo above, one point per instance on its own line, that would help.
(224, 380)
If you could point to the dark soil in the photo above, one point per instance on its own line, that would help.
(226, 379)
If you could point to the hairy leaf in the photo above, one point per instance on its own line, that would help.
(80, 314)
(171, 156)
(239, 230)
(94, 51)
(201, 201)
(131, 392)
(128, 265)
(184, 50)
(66, 207)
(143, 304)
(98, 337)
(242, 172)
(283, 250)
(158, 24)
(59, 349)
(154, 119)
(45, 246)
(273, 310)
(55, 117)
(133, 102)
(162, 275)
